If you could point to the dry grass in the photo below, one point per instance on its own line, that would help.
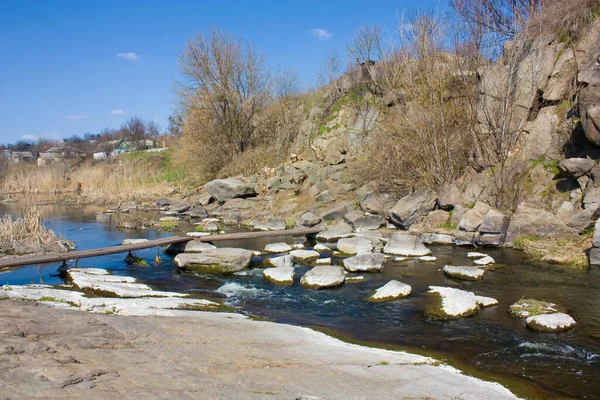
(562, 251)
(566, 18)
(137, 175)
(27, 235)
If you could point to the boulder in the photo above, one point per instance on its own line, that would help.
(556, 322)
(352, 216)
(563, 74)
(484, 261)
(465, 273)
(525, 308)
(324, 197)
(323, 276)
(283, 276)
(317, 188)
(336, 212)
(410, 207)
(473, 218)
(278, 248)
(392, 290)
(457, 214)
(323, 261)
(437, 218)
(272, 224)
(532, 222)
(596, 240)
(204, 199)
(321, 248)
(405, 245)
(436, 238)
(335, 232)
(378, 203)
(309, 219)
(448, 197)
(230, 188)
(193, 246)
(489, 239)
(163, 202)
(366, 262)
(304, 256)
(368, 222)
(576, 167)
(197, 212)
(494, 222)
(486, 301)
(452, 304)
(223, 260)
(355, 245)
(589, 79)
(594, 257)
(280, 262)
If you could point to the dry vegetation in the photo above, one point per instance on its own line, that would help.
(140, 175)
(27, 235)
(562, 251)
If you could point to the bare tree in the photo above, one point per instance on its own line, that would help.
(505, 18)
(226, 85)
(330, 70)
(365, 49)
(137, 131)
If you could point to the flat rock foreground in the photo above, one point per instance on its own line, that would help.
(51, 352)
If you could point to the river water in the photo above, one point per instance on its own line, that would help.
(491, 345)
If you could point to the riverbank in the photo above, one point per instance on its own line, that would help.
(51, 352)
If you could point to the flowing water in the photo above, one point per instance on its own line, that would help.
(491, 345)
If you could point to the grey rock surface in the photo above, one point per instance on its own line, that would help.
(230, 188)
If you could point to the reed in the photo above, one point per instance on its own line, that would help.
(28, 235)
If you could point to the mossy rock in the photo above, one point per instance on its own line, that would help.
(525, 308)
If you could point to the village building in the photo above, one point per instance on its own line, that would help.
(20, 157)
(110, 149)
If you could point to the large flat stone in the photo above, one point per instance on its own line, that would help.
(406, 245)
(219, 261)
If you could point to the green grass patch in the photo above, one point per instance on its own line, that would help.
(548, 164)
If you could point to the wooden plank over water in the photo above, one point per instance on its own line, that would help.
(73, 255)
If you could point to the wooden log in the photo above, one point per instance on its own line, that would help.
(73, 255)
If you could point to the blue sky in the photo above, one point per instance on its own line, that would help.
(71, 67)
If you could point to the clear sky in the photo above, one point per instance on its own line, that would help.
(75, 66)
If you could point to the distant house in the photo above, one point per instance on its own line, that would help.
(5, 155)
(140, 144)
(46, 158)
(111, 149)
(19, 157)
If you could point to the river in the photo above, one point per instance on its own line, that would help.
(492, 345)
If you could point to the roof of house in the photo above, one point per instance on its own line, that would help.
(109, 146)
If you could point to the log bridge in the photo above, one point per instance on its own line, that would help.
(76, 255)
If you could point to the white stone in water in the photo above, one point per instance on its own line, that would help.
(323, 261)
(463, 272)
(133, 241)
(256, 252)
(427, 258)
(323, 276)
(280, 275)
(365, 262)
(486, 301)
(354, 279)
(474, 254)
(125, 306)
(400, 259)
(484, 261)
(335, 232)
(406, 245)
(277, 248)
(551, 322)
(197, 246)
(197, 234)
(122, 286)
(321, 247)
(456, 303)
(298, 246)
(390, 291)
(355, 245)
(280, 262)
(304, 255)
